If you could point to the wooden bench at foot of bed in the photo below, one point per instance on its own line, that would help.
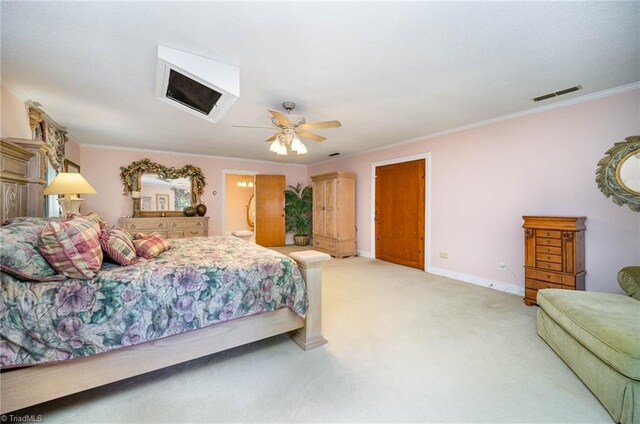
(25, 387)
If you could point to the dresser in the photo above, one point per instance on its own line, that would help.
(334, 213)
(36, 174)
(553, 254)
(14, 180)
(168, 227)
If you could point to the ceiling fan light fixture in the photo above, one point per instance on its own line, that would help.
(298, 146)
(275, 146)
(282, 150)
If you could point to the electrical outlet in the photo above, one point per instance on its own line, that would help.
(502, 266)
(444, 255)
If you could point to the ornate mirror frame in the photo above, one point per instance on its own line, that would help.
(131, 177)
(608, 173)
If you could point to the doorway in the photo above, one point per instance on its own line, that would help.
(399, 212)
(239, 190)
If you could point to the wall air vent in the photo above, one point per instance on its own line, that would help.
(557, 93)
(198, 85)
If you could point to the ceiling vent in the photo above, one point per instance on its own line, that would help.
(198, 85)
(557, 93)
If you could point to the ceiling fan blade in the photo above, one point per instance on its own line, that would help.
(280, 117)
(273, 137)
(252, 126)
(311, 136)
(323, 124)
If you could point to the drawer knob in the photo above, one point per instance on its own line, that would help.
(548, 276)
(161, 225)
(132, 226)
(548, 241)
(194, 232)
(199, 224)
(173, 225)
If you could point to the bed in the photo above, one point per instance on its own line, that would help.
(202, 296)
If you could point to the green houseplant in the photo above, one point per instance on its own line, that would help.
(298, 207)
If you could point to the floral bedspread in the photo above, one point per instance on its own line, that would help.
(198, 282)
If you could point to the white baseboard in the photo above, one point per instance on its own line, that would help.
(365, 254)
(479, 281)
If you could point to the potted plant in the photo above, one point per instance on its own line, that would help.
(298, 208)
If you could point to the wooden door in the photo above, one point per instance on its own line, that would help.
(330, 208)
(269, 224)
(318, 208)
(399, 213)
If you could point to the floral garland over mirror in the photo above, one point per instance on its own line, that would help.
(609, 173)
(130, 175)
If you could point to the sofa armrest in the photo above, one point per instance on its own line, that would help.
(629, 280)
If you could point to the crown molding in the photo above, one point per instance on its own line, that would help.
(514, 115)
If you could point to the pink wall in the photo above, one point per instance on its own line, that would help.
(14, 121)
(72, 152)
(101, 167)
(484, 179)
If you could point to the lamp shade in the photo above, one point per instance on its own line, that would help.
(69, 183)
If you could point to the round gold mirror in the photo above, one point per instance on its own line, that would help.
(628, 172)
(618, 174)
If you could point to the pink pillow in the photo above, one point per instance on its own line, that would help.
(151, 245)
(117, 244)
(72, 247)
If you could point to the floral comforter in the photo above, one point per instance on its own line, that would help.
(198, 282)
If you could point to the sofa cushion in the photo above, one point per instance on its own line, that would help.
(629, 280)
(606, 324)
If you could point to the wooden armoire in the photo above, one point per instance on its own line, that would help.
(334, 213)
(554, 256)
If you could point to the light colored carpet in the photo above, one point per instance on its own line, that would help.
(404, 346)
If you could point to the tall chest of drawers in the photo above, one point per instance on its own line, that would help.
(553, 254)
(169, 227)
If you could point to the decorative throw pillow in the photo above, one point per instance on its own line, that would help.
(150, 245)
(117, 244)
(72, 247)
(19, 254)
(629, 280)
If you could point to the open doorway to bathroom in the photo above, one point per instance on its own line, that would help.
(239, 214)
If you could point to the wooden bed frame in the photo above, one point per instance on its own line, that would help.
(25, 387)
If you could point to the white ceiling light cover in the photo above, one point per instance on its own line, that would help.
(220, 77)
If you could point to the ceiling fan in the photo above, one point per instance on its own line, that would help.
(289, 128)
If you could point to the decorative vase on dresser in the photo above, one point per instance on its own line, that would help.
(168, 227)
(553, 254)
(334, 213)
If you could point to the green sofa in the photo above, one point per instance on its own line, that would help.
(598, 336)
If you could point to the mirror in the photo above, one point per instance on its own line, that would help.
(618, 173)
(158, 190)
(251, 211)
(164, 194)
(628, 173)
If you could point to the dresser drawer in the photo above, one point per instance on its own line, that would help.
(539, 285)
(548, 242)
(324, 244)
(549, 258)
(549, 249)
(190, 232)
(548, 233)
(549, 265)
(552, 277)
(145, 226)
(569, 280)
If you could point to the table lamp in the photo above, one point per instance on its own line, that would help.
(70, 184)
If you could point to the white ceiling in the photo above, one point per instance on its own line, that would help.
(389, 71)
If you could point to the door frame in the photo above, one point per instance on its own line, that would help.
(427, 200)
(223, 193)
